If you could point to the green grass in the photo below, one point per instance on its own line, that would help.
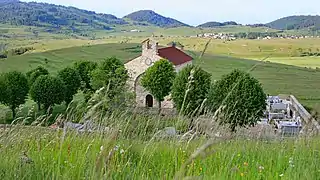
(58, 59)
(313, 62)
(68, 155)
(276, 78)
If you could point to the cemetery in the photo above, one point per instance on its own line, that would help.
(281, 112)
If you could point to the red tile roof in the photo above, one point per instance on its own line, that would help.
(174, 55)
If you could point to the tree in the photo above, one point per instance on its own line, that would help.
(72, 82)
(190, 89)
(47, 90)
(2, 88)
(14, 90)
(110, 74)
(158, 79)
(239, 99)
(35, 73)
(85, 69)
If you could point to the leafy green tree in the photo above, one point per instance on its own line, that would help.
(190, 89)
(85, 69)
(110, 74)
(34, 74)
(72, 82)
(2, 88)
(48, 90)
(239, 99)
(14, 90)
(158, 79)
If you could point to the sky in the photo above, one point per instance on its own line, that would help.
(195, 12)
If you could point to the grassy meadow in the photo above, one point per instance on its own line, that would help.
(131, 147)
(132, 150)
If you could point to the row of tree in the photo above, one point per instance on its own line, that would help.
(47, 90)
(238, 98)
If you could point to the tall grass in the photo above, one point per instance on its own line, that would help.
(134, 146)
(65, 154)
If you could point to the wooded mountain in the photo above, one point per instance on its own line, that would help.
(217, 24)
(48, 15)
(296, 22)
(153, 18)
(57, 17)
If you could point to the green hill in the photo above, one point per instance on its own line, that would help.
(153, 18)
(296, 22)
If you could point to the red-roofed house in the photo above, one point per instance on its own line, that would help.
(150, 54)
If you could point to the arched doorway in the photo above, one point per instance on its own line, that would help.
(149, 101)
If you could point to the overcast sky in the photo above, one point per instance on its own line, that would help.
(195, 12)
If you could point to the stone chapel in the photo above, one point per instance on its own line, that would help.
(151, 52)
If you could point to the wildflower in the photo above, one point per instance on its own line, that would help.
(121, 151)
(241, 174)
(291, 162)
(200, 168)
(116, 147)
(261, 168)
(245, 164)
(281, 175)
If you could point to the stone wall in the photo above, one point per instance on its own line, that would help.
(181, 66)
(141, 95)
(304, 114)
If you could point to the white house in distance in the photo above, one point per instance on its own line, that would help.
(151, 53)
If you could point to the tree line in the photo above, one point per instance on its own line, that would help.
(237, 98)
(48, 90)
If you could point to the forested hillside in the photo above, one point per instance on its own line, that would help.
(155, 19)
(48, 15)
(296, 22)
(217, 24)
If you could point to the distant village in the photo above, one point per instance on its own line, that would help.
(232, 37)
(241, 35)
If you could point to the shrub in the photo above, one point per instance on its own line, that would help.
(238, 98)
(3, 56)
(20, 51)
